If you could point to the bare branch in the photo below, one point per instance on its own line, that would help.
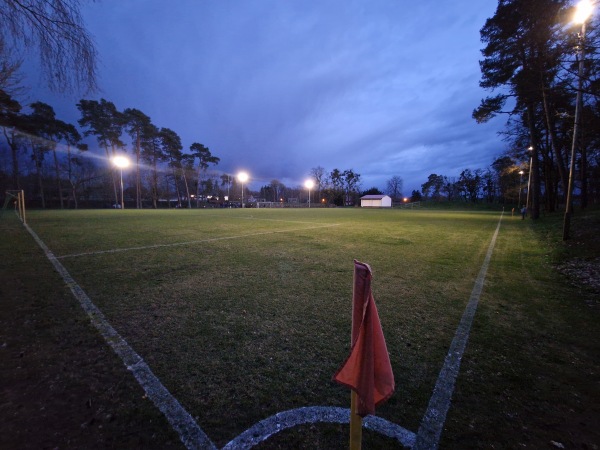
(68, 56)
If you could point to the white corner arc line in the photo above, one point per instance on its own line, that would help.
(189, 432)
(313, 414)
(430, 430)
(200, 241)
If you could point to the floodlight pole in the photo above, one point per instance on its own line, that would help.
(121, 162)
(530, 150)
(242, 176)
(520, 187)
(576, 126)
(122, 197)
(309, 185)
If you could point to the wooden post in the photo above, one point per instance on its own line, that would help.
(355, 423)
(21, 204)
(357, 314)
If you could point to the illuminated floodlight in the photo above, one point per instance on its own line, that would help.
(309, 184)
(242, 177)
(583, 11)
(122, 162)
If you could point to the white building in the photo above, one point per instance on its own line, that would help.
(376, 201)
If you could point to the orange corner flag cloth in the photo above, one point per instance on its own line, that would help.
(367, 371)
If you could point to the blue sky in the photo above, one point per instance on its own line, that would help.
(277, 87)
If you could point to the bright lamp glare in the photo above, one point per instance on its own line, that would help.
(243, 177)
(121, 162)
(583, 11)
(309, 184)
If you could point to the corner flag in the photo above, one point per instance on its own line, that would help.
(367, 371)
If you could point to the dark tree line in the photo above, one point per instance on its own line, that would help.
(530, 61)
(338, 187)
(46, 156)
(503, 182)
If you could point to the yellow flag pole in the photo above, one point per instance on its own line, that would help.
(355, 423)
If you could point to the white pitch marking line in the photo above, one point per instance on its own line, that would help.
(176, 244)
(430, 431)
(266, 428)
(272, 220)
(189, 432)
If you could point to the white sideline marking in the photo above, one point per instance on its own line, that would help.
(428, 436)
(271, 220)
(176, 244)
(189, 432)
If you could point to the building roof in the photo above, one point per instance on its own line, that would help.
(373, 197)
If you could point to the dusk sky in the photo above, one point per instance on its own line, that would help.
(277, 87)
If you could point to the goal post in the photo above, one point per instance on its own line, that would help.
(19, 202)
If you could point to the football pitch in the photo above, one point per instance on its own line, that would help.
(244, 314)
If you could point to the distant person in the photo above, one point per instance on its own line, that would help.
(523, 212)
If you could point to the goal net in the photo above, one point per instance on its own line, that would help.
(18, 199)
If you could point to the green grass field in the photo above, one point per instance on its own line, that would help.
(246, 313)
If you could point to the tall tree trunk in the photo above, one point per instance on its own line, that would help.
(187, 189)
(74, 194)
(112, 173)
(198, 185)
(560, 162)
(115, 177)
(535, 167)
(37, 159)
(14, 150)
(583, 173)
(168, 191)
(138, 180)
(177, 190)
(58, 183)
(154, 184)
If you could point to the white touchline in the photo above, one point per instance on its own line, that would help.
(428, 436)
(271, 220)
(176, 244)
(189, 432)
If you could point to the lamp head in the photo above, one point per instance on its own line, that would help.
(121, 161)
(583, 11)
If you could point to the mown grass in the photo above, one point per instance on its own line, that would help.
(249, 315)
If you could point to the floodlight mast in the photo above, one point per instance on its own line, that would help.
(242, 177)
(583, 12)
(521, 172)
(309, 184)
(122, 162)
